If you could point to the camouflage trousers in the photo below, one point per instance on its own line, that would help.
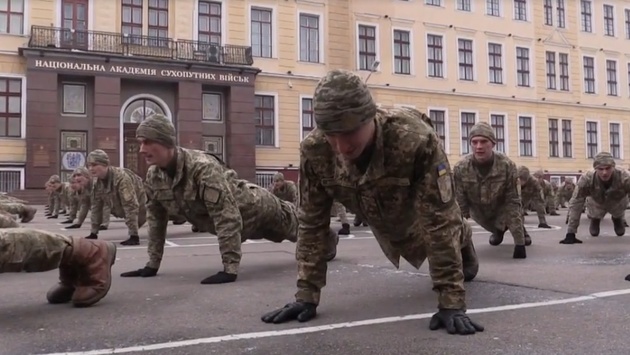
(31, 250)
(550, 203)
(495, 223)
(141, 217)
(13, 208)
(276, 220)
(7, 221)
(617, 209)
(338, 210)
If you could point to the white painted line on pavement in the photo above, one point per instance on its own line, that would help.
(326, 327)
(170, 244)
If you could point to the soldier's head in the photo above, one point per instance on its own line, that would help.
(81, 177)
(482, 141)
(55, 182)
(604, 165)
(539, 174)
(345, 111)
(523, 174)
(278, 180)
(158, 141)
(98, 163)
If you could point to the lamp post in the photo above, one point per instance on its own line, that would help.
(373, 68)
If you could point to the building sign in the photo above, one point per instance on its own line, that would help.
(130, 70)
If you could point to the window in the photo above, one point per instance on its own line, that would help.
(10, 107)
(525, 136)
(609, 20)
(587, 16)
(554, 142)
(615, 140)
(132, 21)
(468, 120)
(10, 179)
(209, 22)
(463, 5)
(498, 125)
(627, 13)
(264, 178)
(465, 48)
(438, 118)
(309, 38)
(611, 77)
(12, 17)
(522, 66)
(433, 2)
(549, 12)
(520, 10)
(73, 99)
(158, 23)
(589, 75)
(561, 14)
(265, 120)
(435, 56)
(629, 77)
(492, 8)
(262, 33)
(308, 118)
(367, 47)
(402, 52)
(567, 139)
(212, 107)
(495, 63)
(563, 60)
(551, 70)
(591, 139)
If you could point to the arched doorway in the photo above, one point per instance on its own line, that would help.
(133, 113)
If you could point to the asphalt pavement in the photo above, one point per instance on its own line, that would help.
(562, 299)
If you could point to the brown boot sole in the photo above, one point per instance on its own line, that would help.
(111, 248)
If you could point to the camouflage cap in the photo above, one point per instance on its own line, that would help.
(278, 177)
(98, 156)
(159, 129)
(342, 102)
(81, 172)
(54, 179)
(523, 173)
(603, 159)
(483, 129)
(539, 173)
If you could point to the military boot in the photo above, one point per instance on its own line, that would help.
(133, 240)
(496, 238)
(554, 213)
(356, 222)
(594, 227)
(63, 291)
(179, 221)
(345, 229)
(620, 228)
(333, 241)
(28, 214)
(92, 260)
(470, 262)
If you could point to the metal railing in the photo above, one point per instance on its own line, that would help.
(136, 45)
(10, 180)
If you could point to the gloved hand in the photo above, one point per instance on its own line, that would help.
(519, 252)
(145, 272)
(466, 215)
(52, 217)
(67, 221)
(74, 226)
(570, 239)
(455, 321)
(92, 236)
(628, 278)
(301, 311)
(544, 225)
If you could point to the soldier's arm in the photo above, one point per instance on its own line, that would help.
(157, 221)
(539, 203)
(129, 201)
(57, 203)
(462, 200)
(576, 204)
(294, 193)
(440, 218)
(313, 233)
(84, 207)
(513, 205)
(74, 206)
(96, 216)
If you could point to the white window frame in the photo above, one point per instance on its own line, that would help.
(18, 169)
(530, 62)
(58, 15)
(621, 145)
(265, 172)
(501, 9)
(412, 57)
(617, 77)
(595, 68)
(274, 27)
(22, 103)
(444, 56)
(599, 136)
(459, 126)
(321, 34)
(447, 144)
(615, 21)
(556, 68)
(300, 113)
(224, 17)
(506, 128)
(561, 137)
(518, 134)
(556, 178)
(474, 58)
(593, 17)
(377, 44)
(440, 5)
(555, 14)
(276, 114)
(569, 68)
(472, 7)
(528, 12)
(503, 63)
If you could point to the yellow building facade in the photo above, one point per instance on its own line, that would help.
(552, 77)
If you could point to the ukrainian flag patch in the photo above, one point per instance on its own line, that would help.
(441, 169)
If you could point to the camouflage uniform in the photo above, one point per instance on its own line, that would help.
(339, 210)
(287, 191)
(59, 197)
(565, 192)
(213, 199)
(7, 220)
(531, 193)
(489, 193)
(26, 212)
(123, 191)
(81, 203)
(84, 265)
(4, 197)
(402, 186)
(600, 197)
(548, 194)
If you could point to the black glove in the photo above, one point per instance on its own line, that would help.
(67, 221)
(145, 272)
(519, 252)
(92, 236)
(301, 311)
(74, 226)
(570, 239)
(544, 225)
(628, 278)
(52, 217)
(455, 321)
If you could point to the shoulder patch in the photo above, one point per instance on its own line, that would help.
(211, 194)
(441, 169)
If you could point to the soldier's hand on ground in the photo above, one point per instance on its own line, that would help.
(466, 215)
(67, 221)
(144, 272)
(92, 236)
(455, 321)
(570, 239)
(74, 226)
(301, 311)
(628, 278)
(52, 217)
(519, 252)
(544, 225)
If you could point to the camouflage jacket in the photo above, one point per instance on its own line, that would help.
(405, 195)
(532, 195)
(288, 192)
(81, 202)
(547, 189)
